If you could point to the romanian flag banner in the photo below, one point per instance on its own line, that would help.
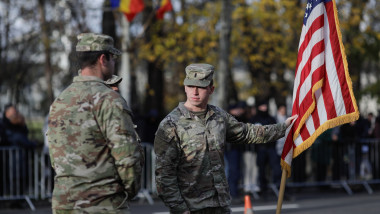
(130, 8)
(322, 95)
(163, 7)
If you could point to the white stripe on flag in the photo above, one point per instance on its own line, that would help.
(322, 114)
(289, 157)
(310, 125)
(305, 58)
(332, 75)
(298, 140)
(317, 12)
(317, 62)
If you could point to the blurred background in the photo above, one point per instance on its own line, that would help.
(252, 43)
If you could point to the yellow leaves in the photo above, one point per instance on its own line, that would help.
(170, 42)
(159, 49)
(180, 58)
(378, 36)
(151, 57)
(255, 58)
(356, 14)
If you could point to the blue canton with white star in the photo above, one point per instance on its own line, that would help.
(310, 6)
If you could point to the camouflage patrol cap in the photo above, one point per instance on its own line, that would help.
(96, 42)
(113, 80)
(199, 75)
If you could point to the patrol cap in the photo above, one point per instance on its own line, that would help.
(113, 80)
(96, 42)
(199, 75)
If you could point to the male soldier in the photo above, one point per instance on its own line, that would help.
(189, 145)
(93, 146)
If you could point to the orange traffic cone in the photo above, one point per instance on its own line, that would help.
(247, 205)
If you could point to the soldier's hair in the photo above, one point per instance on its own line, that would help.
(211, 83)
(89, 58)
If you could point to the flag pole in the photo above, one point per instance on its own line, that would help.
(282, 191)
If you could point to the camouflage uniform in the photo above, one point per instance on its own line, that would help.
(114, 80)
(94, 149)
(190, 156)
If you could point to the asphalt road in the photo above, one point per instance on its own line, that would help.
(304, 201)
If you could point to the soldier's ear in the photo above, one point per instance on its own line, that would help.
(212, 88)
(103, 59)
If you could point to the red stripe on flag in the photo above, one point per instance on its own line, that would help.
(334, 95)
(317, 49)
(304, 132)
(328, 99)
(318, 75)
(288, 146)
(315, 117)
(317, 24)
(334, 39)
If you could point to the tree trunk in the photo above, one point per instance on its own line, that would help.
(224, 65)
(108, 22)
(155, 90)
(46, 43)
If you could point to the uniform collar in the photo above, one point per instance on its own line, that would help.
(81, 78)
(184, 110)
(187, 114)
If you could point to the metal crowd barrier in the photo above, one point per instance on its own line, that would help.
(27, 174)
(352, 163)
(148, 184)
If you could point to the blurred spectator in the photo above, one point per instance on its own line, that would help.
(233, 153)
(365, 167)
(367, 126)
(15, 132)
(299, 168)
(321, 154)
(266, 153)
(365, 164)
(280, 118)
(349, 131)
(151, 122)
(349, 134)
(2, 133)
(376, 129)
(250, 170)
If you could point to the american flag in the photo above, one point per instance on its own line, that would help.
(322, 94)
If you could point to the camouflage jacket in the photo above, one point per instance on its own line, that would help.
(190, 156)
(94, 149)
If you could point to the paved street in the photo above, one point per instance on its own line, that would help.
(304, 201)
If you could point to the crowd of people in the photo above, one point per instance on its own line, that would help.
(250, 168)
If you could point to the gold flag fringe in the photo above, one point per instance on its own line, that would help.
(332, 122)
